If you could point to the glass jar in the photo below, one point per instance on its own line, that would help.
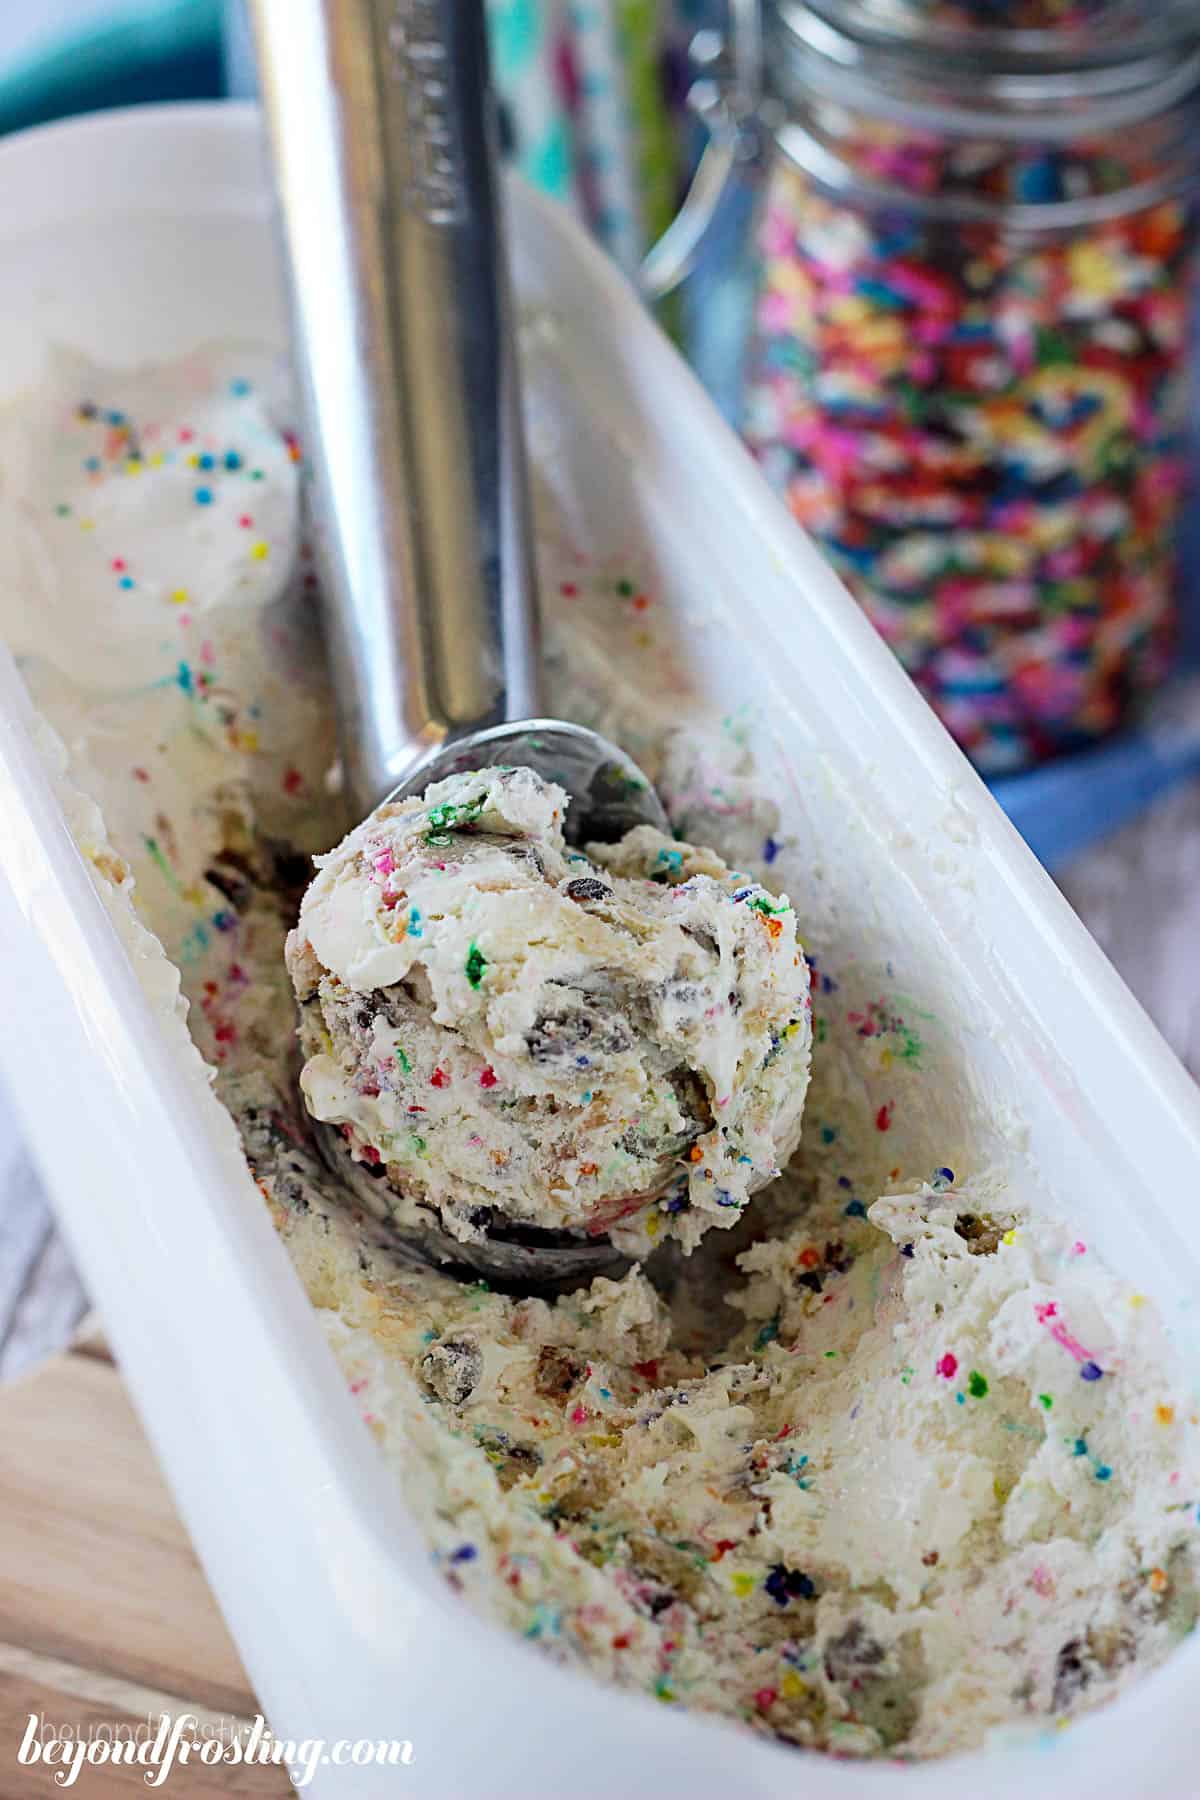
(971, 363)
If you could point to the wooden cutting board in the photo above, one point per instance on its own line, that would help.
(105, 1615)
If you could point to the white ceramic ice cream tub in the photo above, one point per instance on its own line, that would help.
(137, 236)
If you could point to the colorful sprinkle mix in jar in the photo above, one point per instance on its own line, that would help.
(970, 379)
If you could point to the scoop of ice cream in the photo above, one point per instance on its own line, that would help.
(612, 1043)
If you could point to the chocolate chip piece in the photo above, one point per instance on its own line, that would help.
(555, 1035)
(854, 1654)
(561, 1035)
(705, 939)
(292, 871)
(585, 888)
(557, 1373)
(452, 1369)
(520, 1460)
(233, 883)
(291, 1192)
(678, 991)
(980, 1233)
(693, 1099)
(1072, 1674)
(526, 1456)
(526, 853)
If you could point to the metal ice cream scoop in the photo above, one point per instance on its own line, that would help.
(385, 148)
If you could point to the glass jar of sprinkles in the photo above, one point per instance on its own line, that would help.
(972, 354)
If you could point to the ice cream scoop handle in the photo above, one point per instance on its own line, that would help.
(383, 131)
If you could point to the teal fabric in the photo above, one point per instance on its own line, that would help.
(155, 50)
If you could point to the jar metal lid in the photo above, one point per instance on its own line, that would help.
(807, 56)
(827, 86)
(1099, 30)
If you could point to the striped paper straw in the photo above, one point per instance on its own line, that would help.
(607, 155)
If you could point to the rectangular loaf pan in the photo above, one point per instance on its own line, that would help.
(136, 236)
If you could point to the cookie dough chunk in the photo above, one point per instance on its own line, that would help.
(502, 1027)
